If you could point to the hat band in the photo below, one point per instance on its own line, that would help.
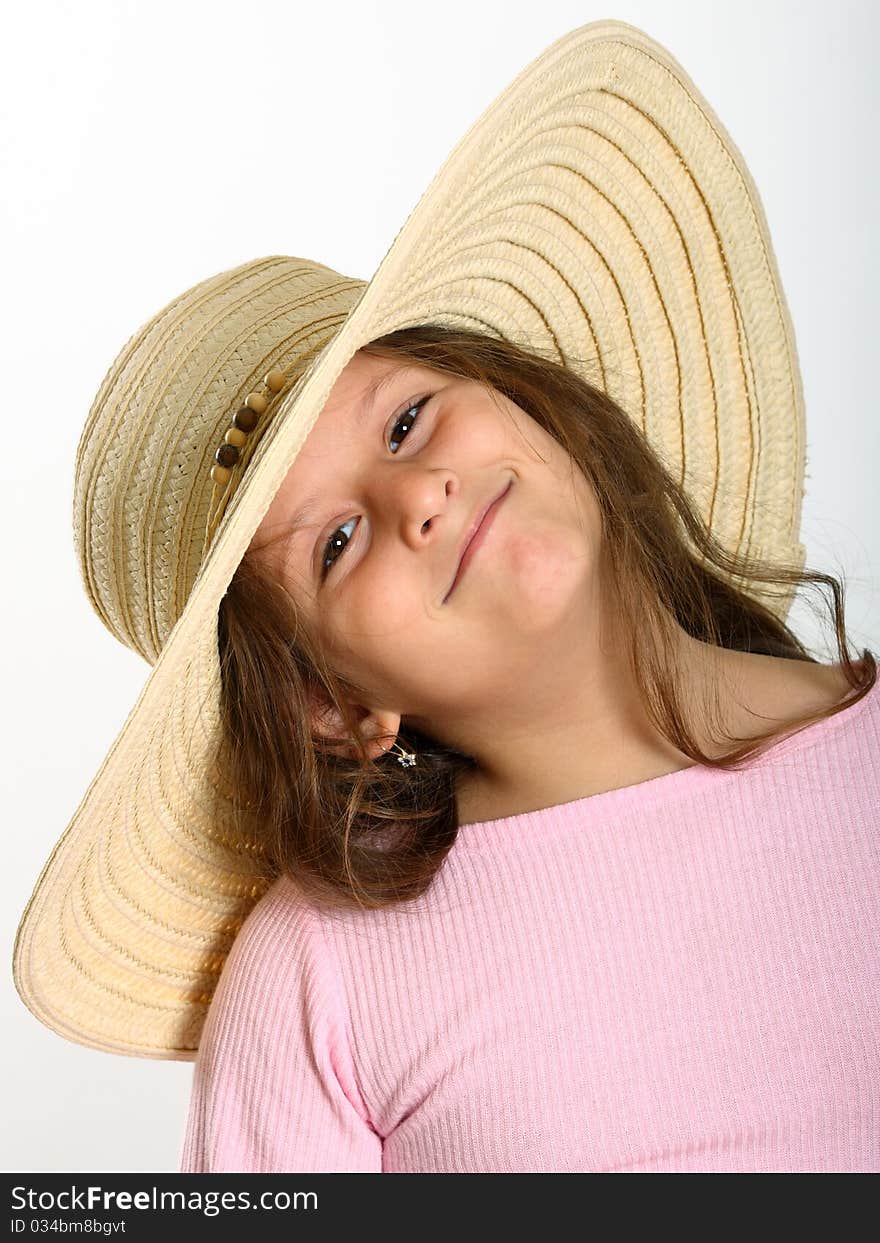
(229, 451)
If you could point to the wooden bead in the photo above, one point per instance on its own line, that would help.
(227, 455)
(235, 436)
(257, 402)
(274, 381)
(245, 418)
(220, 474)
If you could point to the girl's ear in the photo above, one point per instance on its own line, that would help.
(378, 730)
(327, 724)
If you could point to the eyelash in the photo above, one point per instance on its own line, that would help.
(401, 417)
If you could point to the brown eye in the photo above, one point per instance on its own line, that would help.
(405, 420)
(338, 541)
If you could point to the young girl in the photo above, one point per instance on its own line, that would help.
(572, 931)
(481, 812)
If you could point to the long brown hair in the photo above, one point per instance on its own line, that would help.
(357, 832)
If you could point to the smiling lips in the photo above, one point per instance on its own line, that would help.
(476, 537)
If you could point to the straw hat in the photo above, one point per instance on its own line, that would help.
(598, 211)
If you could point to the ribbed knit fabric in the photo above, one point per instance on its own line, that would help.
(680, 975)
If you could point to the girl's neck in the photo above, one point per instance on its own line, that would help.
(754, 691)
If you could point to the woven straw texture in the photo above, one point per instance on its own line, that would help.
(597, 211)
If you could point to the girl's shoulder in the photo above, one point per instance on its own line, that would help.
(782, 687)
(760, 693)
(773, 688)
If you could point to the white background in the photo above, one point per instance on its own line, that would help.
(147, 145)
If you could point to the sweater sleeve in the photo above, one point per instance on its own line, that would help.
(274, 1087)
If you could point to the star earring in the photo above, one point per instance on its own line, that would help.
(405, 758)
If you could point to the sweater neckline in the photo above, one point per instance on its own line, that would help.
(669, 786)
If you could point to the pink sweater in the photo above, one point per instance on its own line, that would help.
(681, 975)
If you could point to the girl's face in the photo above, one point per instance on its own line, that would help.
(399, 465)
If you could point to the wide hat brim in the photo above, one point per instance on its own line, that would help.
(598, 210)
